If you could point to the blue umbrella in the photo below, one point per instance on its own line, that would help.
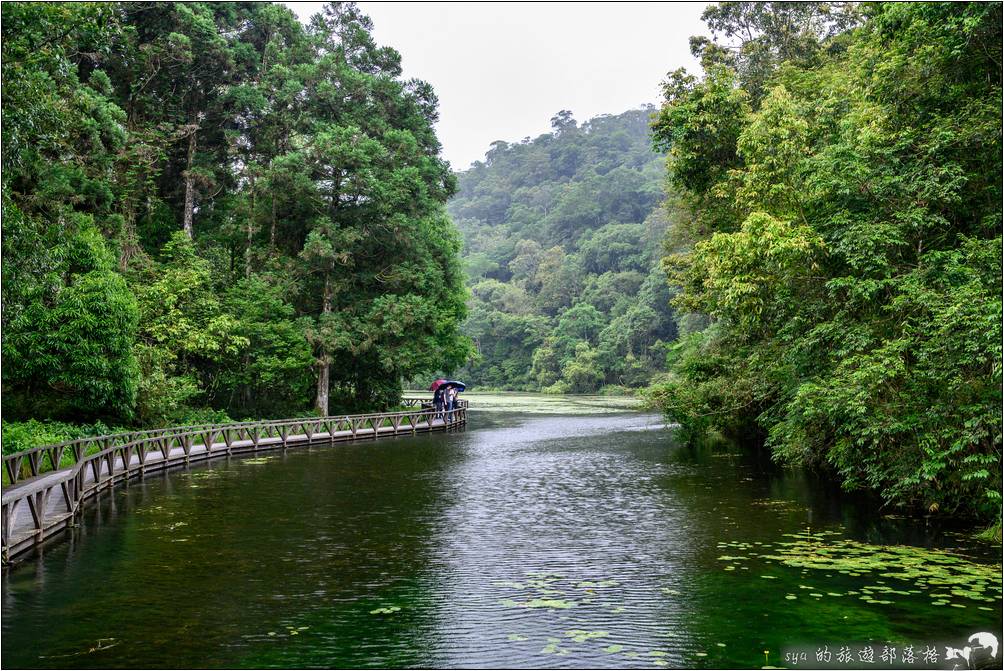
(455, 383)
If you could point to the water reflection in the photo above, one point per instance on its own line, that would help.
(525, 541)
(572, 543)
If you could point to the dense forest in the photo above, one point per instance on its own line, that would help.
(211, 210)
(562, 241)
(838, 239)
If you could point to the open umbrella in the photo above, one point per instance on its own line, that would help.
(437, 384)
(454, 383)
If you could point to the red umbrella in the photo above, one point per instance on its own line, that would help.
(437, 384)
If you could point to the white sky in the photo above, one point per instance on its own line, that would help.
(501, 70)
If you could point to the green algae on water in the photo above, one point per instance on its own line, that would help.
(558, 404)
(940, 574)
(553, 591)
(581, 635)
(547, 603)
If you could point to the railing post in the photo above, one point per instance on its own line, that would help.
(104, 470)
(7, 509)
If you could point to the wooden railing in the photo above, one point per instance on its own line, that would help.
(35, 461)
(31, 513)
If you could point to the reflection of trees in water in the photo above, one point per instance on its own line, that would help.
(197, 568)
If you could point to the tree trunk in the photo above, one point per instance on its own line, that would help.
(321, 404)
(324, 363)
(247, 255)
(130, 244)
(190, 184)
(247, 251)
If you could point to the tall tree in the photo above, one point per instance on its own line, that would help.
(563, 227)
(273, 194)
(843, 250)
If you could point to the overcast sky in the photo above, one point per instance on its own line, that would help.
(501, 70)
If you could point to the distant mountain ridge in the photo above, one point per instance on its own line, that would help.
(562, 239)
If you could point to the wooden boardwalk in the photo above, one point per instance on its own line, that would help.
(44, 488)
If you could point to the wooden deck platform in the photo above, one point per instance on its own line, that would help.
(41, 505)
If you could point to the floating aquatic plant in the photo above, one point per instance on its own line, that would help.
(941, 575)
(258, 460)
(547, 603)
(778, 505)
(553, 404)
(541, 589)
(581, 635)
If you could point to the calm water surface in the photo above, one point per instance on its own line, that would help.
(524, 541)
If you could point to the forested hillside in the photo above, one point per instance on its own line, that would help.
(562, 238)
(839, 176)
(210, 209)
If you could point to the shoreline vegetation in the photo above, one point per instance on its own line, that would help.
(562, 240)
(836, 173)
(23, 435)
(487, 400)
(215, 212)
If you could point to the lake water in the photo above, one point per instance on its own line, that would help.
(527, 540)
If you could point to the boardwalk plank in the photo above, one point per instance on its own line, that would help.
(119, 458)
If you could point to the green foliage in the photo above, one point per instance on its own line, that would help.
(561, 238)
(756, 37)
(206, 205)
(272, 375)
(581, 373)
(844, 245)
(20, 436)
(67, 347)
(185, 332)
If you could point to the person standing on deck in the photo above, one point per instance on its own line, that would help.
(438, 402)
(451, 402)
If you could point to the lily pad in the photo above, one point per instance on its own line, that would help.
(581, 635)
(547, 603)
